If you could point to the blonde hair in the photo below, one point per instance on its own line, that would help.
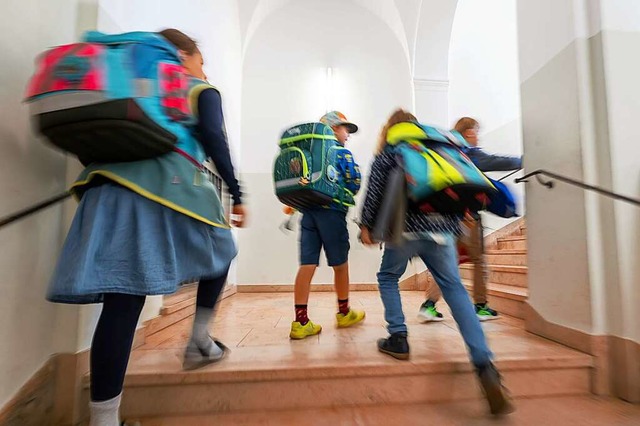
(466, 123)
(398, 116)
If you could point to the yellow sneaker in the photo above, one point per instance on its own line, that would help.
(299, 331)
(352, 318)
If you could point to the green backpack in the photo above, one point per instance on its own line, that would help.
(305, 172)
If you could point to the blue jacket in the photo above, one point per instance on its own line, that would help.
(492, 163)
(350, 175)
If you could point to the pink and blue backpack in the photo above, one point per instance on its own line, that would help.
(113, 98)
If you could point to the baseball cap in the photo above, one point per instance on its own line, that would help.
(336, 118)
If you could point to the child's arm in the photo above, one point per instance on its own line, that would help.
(214, 140)
(493, 163)
(380, 169)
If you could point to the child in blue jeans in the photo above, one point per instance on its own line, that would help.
(326, 227)
(431, 237)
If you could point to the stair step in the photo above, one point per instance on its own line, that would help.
(518, 242)
(313, 386)
(581, 410)
(170, 309)
(505, 299)
(187, 291)
(266, 372)
(506, 257)
(161, 322)
(500, 274)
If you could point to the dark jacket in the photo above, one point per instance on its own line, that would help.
(492, 163)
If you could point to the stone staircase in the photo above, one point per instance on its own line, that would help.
(268, 375)
(506, 259)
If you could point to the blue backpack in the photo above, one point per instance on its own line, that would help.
(502, 203)
(440, 176)
(112, 98)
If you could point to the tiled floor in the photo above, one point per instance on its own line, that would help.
(256, 328)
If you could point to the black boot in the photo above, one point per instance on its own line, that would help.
(395, 345)
(496, 394)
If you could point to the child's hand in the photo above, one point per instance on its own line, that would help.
(365, 237)
(238, 216)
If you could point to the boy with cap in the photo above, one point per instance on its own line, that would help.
(326, 227)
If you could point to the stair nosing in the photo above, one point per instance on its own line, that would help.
(494, 267)
(419, 367)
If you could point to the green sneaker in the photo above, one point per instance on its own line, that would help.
(485, 313)
(429, 313)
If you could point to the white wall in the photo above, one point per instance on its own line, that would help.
(433, 33)
(284, 84)
(30, 172)
(580, 99)
(484, 80)
(621, 35)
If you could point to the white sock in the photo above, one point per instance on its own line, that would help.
(105, 413)
(200, 334)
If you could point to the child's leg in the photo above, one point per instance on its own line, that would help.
(310, 246)
(394, 263)
(475, 244)
(433, 291)
(341, 282)
(110, 352)
(332, 225)
(202, 349)
(442, 261)
(302, 286)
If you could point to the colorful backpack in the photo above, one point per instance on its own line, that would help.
(440, 177)
(305, 172)
(111, 98)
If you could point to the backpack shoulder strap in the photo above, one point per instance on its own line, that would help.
(196, 89)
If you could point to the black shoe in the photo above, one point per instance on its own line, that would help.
(395, 345)
(496, 394)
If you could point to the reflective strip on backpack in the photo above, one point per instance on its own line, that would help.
(294, 181)
(307, 136)
(287, 183)
(62, 101)
(143, 87)
(194, 94)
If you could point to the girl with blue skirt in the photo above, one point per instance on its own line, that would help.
(144, 228)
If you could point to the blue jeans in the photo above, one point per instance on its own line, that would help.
(442, 262)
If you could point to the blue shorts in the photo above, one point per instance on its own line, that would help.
(324, 228)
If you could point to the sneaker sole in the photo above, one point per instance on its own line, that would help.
(351, 324)
(402, 357)
(292, 337)
(425, 319)
(487, 317)
(189, 366)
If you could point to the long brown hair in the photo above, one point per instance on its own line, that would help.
(398, 116)
(180, 40)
